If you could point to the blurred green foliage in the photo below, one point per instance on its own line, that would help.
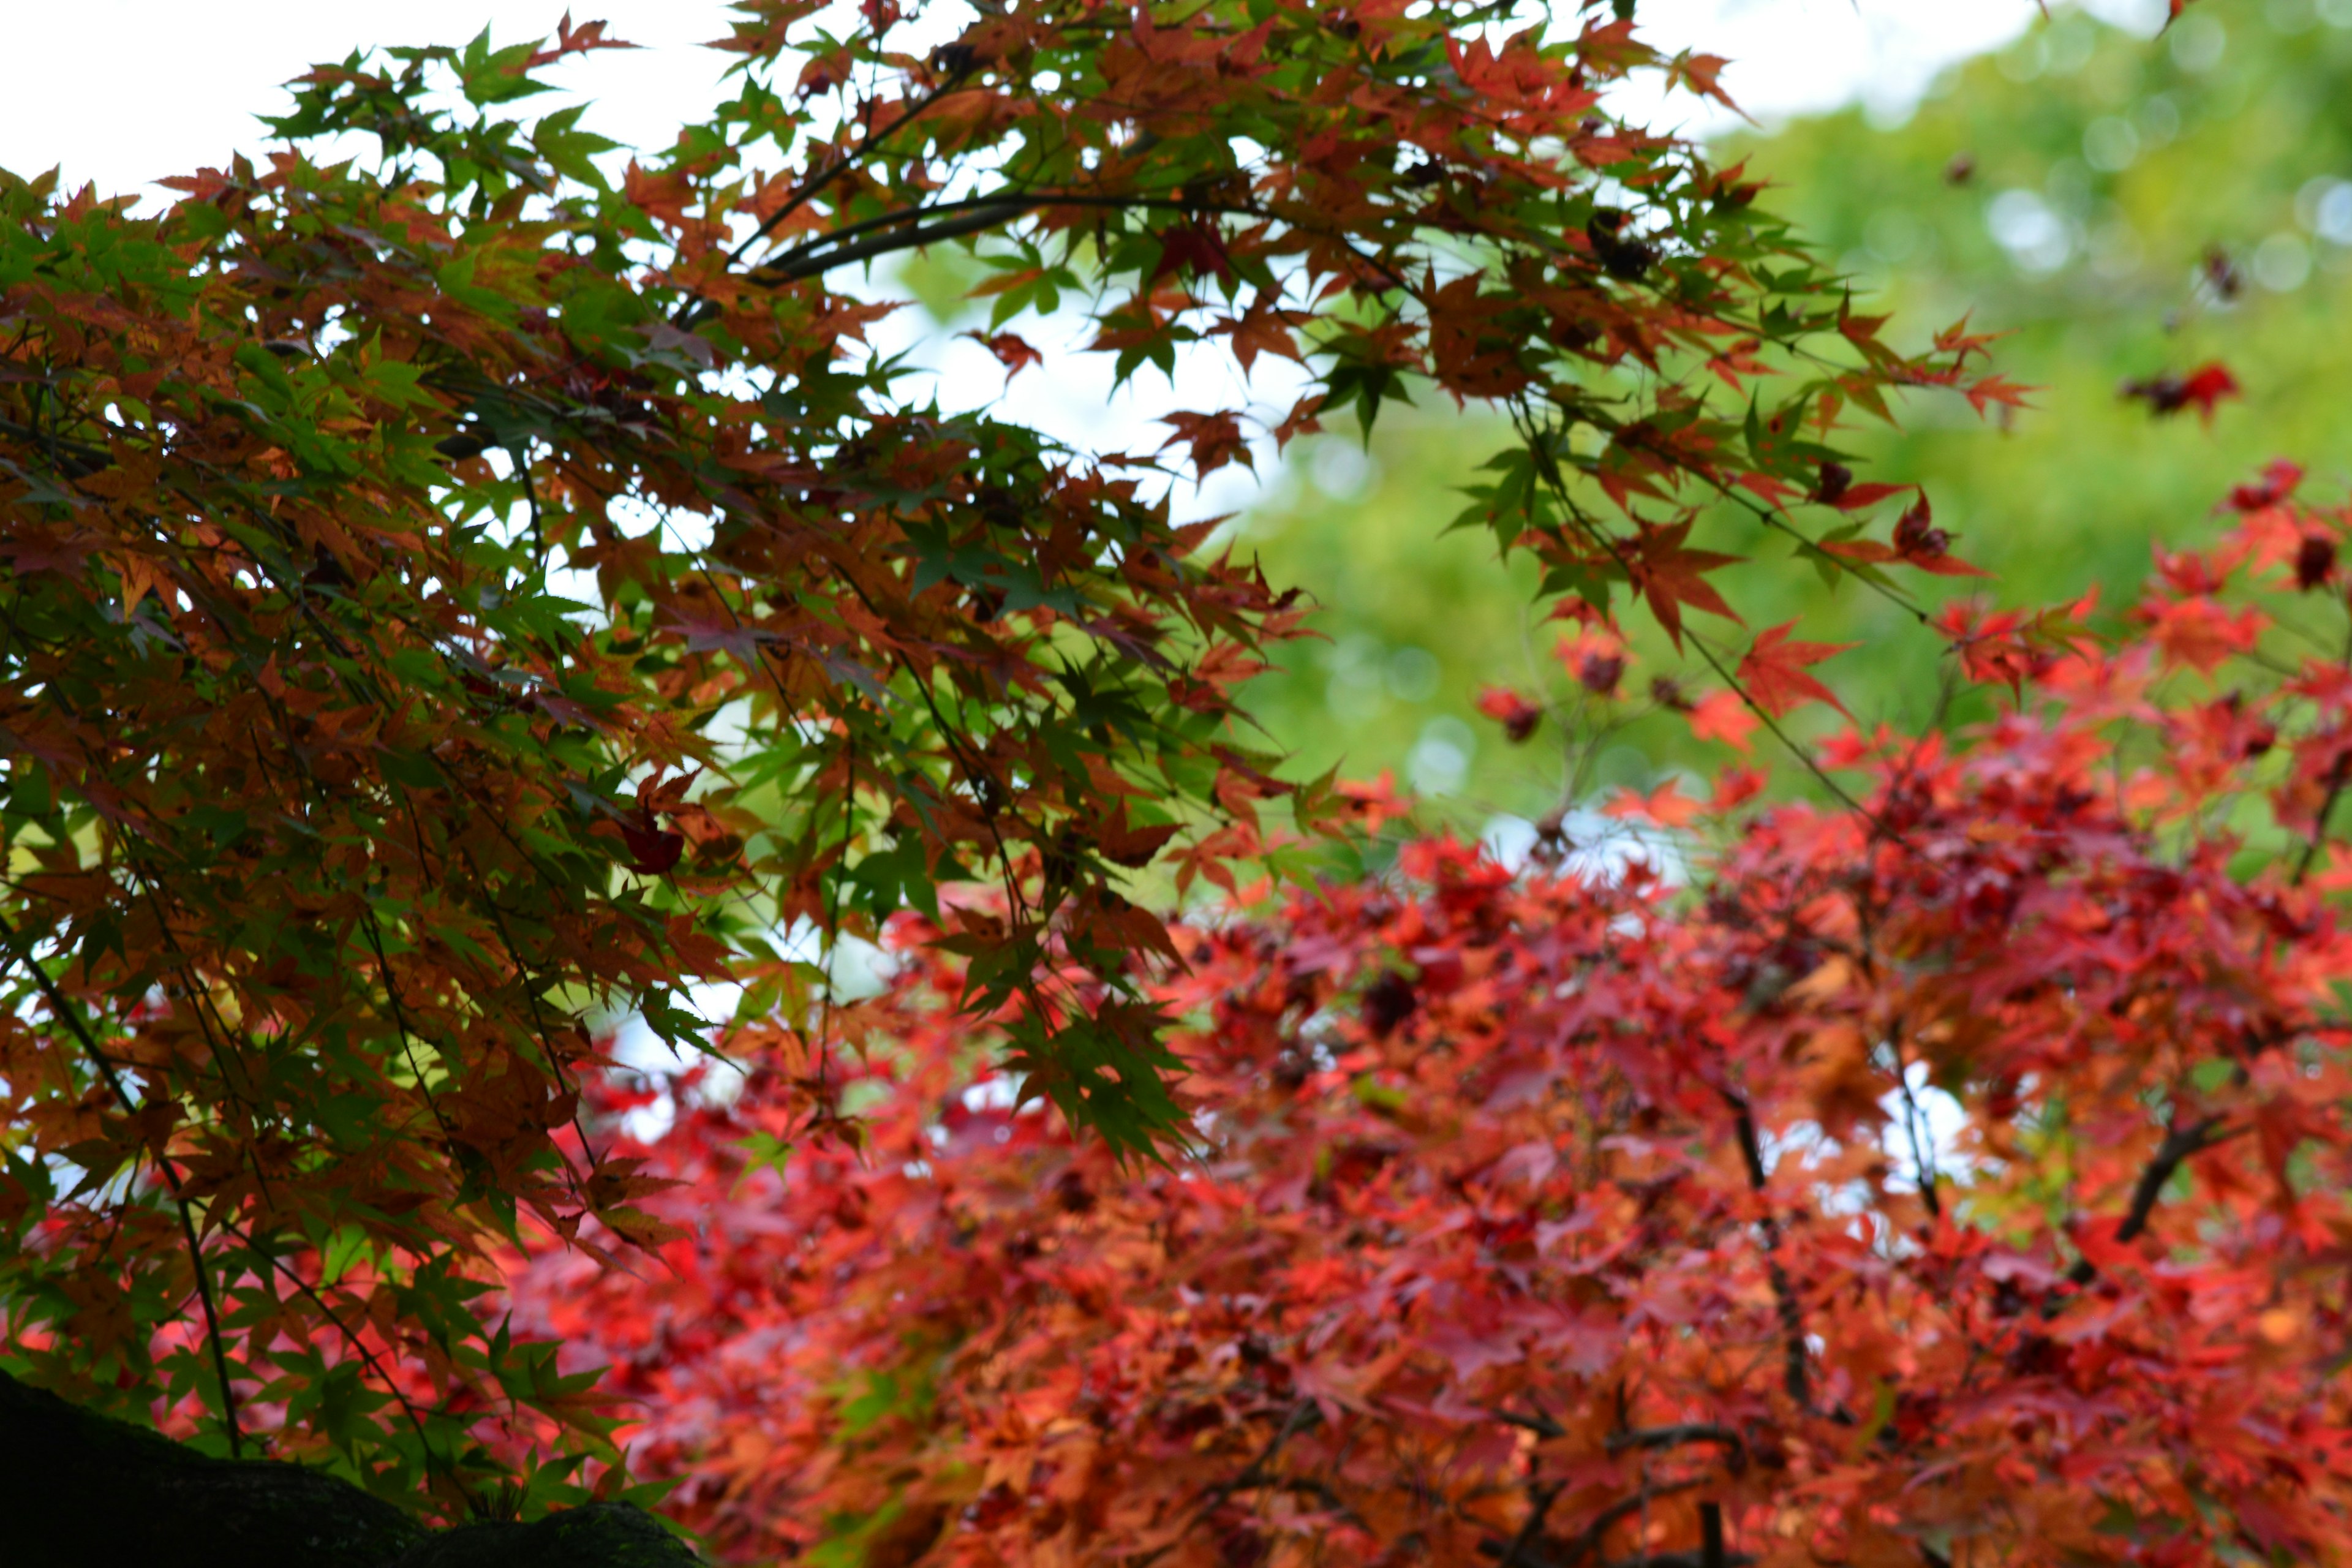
(2121, 207)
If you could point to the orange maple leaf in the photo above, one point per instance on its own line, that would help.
(1667, 805)
(1723, 716)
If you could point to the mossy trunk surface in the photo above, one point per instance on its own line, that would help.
(82, 1490)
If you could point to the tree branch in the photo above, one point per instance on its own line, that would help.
(1675, 1436)
(971, 215)
(2339, 776)
(2180, 1144)
(1586, 1541)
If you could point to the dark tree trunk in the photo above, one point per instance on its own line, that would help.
(81, 1490)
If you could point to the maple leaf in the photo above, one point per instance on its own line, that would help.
(1264, 329)
(1772, 671)
(1669, 576)
(634, 1224)
(2314, 561)
(1723, 716)
(1516, 715)
(2278, 482)
(1987, 390)
(653, 850)
(1375, 801)
(1196, 246)
(1127, 845)
(1214, 440)
(1735, 787)
(585, 38)
(1698, 73)
(1012, 350)
(1300, 421)
(2202, 632)
(2201, 389)
(1667, 805)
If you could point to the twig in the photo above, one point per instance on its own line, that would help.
(1301, 1417)
(1539, 1504)
(842, 165)
(1923, 1158)
(1588, 1540)
(2179, 1144)
(2339, 776)
(1797, 1377)
(1675, 1436)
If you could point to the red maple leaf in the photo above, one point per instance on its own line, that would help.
(1773, 671)
(2201, 388)
(1195, 247)
(652, 849)
(1215, 439)
(1516, 715)
(1012, 350)
(2278, 481)
(1670, 577)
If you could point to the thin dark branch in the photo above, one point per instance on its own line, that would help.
(1796, 1376)
(1675, 1436)
(695, 307)
(778, 267)
(70, 1017)
(1915, 1124)
(520, 457)
(1587, 1542)
(2339, 776)
(88, 458)
(842, 165)
(2180, 1144)
(808, 258)
(1539, 1505)
(1805, 758)
(1302, 1415)
(1541, 1426)
(825, 253)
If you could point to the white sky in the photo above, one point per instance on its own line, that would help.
(126, 92)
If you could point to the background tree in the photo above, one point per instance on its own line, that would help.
(2103, 169)
(1959, 1178)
